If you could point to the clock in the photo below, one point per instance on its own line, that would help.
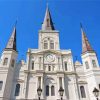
(50, 57)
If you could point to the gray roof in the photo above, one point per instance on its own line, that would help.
(12, 41)
(85, 43)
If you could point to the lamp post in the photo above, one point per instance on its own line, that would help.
(61, 91)
(96, 93)
(39, 91)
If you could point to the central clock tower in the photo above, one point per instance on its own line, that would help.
(48, 36)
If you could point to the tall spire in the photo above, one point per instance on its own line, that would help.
(48, 23)
(12, 41)
(85, 43)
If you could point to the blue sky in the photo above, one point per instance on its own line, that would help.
(66, 15)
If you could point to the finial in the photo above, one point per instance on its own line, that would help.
(81, 25)
(82, 29)
(16, 22)
(47, 4)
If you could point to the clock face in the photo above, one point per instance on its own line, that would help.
(50, 58)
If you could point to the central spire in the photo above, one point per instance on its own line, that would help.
(48, 23)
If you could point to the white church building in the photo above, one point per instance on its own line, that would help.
(48, 68)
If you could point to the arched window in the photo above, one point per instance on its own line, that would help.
(82, 90)
(32, 65)
(52, 90)
(13, 63)
(17, 91)
(45, 44)
(5, 61)
(51, 44)
(65, 66)
(47, 90)
(87, 65)
(49, 68)
(1, 83)
(94, 63)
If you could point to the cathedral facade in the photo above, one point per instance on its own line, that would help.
(48, 68)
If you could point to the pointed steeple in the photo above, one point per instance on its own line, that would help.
(48, 23)
(85, 43)
(12, 41)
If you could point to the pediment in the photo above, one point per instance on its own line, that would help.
(49, 51)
